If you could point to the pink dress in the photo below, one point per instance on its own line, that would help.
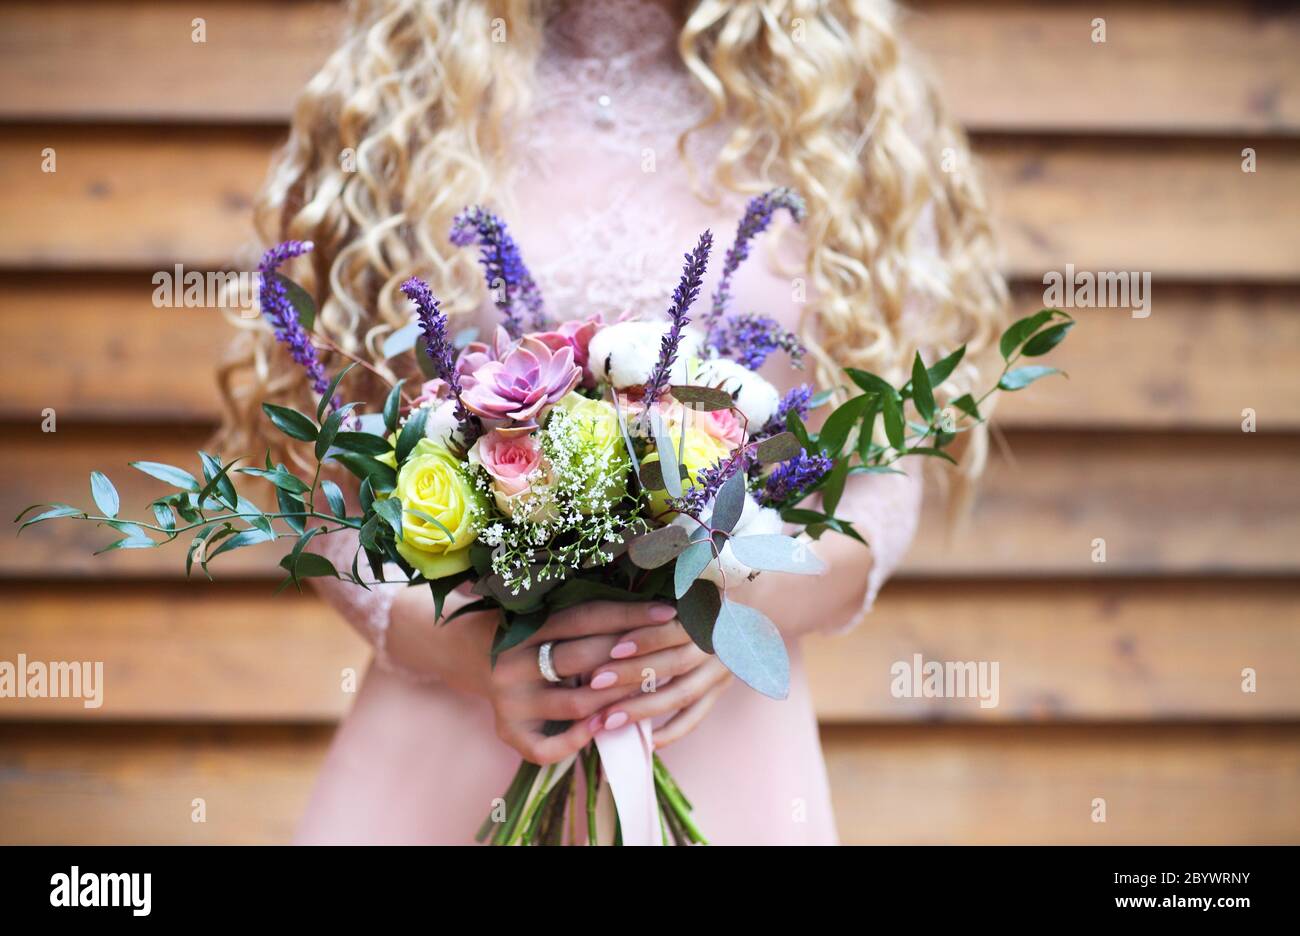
(603, 211)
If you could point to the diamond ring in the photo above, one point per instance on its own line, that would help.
(544, 664)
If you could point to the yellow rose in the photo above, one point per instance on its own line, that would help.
(433, 482)
(601, 437)
(699, 450)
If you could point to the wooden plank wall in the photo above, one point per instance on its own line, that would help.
(1120, 680)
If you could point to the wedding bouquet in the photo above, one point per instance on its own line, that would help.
(560, 463)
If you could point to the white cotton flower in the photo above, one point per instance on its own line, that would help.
(754, 396)
(625, 353)
(754, 520)
(441, 425)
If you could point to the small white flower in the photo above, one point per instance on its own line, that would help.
(441, 425)
(625, 353)
(754, 396)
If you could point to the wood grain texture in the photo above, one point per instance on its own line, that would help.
(1165, 505)
(1204, 68)
(148, 198)
(1066, 651)
(971, 785)
(1205, 353)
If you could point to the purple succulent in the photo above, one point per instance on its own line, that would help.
(513, 392)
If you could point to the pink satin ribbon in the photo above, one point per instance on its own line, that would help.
(627, 758)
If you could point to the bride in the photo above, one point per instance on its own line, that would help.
(610, 133)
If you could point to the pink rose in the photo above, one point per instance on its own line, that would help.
(516, 465)
(575, 334)
(724, 425)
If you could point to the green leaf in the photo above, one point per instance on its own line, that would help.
(834, 487)
(894, 426)
(328, 396)
(922, 392)
(411, 433)
(241, 539)
(105, 495)
(729, 503)
(932, 452)
(1018, 332)
(658, 547)
(329, 429)
(694, 560)
(280, 477)
(778, 448)
(698, 611)
(56, 510)
(294, 509)
(776, 552)
(705, 398)
(872, 384)
(163, 514)
(334, 494)
(1022, 377)
(390, 511)
(309, 565)
(291, 422)
(364, 442)
(941, 370)
(840, 423)
(301, 301)
(393, 407)
(518, 627)
(967, 404)
(751, 647)
(168, 474)
(798, 430)
(667, 457)
(580, 591)
(381, 477)
(1046, 340)
(218, 481)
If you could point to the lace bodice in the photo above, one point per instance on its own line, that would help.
(600, 165)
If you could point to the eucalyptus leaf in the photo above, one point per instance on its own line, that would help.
(698, 610)
(658, 547)
(693, 560)
(401, 340)
(705, 398)
(751, 647)
(668, 460)
(729, 503)
(778, 448)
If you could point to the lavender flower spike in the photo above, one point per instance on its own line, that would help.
(793, 477)
(433, 323)
(758, 215)
(274, 300)
(687, 291)
(503, 267)
(797, 400)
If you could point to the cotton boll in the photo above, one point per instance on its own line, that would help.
(625, 353)
(754, 396)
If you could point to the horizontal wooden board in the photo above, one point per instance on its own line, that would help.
(1065, 651)
(1203, 355)
(1165, 505)
(970, 785)
(148, 198)
(1201, 67)
(962, 785)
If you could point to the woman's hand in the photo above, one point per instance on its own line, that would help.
(647, 659)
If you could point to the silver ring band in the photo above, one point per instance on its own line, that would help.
(544, 664)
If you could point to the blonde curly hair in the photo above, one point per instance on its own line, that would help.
(819, 95)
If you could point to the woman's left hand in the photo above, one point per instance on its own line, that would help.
(651, 656)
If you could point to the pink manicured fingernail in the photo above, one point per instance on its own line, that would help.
(604, 680)
(594, 724)
(623, 650)
(617, 720)
(663, 613)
